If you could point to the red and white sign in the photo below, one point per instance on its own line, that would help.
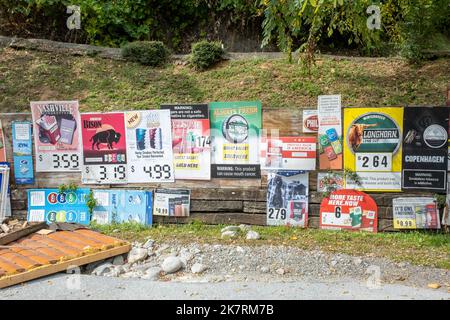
(288, 153)
(349, 209)
(310, 121)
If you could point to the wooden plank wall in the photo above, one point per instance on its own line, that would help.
(219, 201)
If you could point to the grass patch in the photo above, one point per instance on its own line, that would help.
(415, 247)
(106, 85)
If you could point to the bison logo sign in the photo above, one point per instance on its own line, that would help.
(104, 148)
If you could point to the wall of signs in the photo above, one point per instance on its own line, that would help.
(104, 148)
(149, 146)
(22, 152)
(287, 198)
(330, 132)
(172, 203)
(191, 141)
(288, 153)
(121, 206)
(349, 209)
(56, 126)
(372, 147)
(235, 132)
(50, 205)
(416, 213)
(425, 148)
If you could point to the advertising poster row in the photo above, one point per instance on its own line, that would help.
(390, 148)
(112, 206)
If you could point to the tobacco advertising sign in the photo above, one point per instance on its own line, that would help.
(425, 148)
(372, 147)
(191, 141)
(287, 198)
(104, 148)
(349, 209)
(149, 146)
(57, 135)
(235, 133)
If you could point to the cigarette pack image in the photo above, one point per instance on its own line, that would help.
(49, 128)
(67, 131)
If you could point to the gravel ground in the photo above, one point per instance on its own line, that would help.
(271, 263)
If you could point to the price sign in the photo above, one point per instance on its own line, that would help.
(57, 135)
(276, 216)
(104, 148)
(153, 172)
(105, 174)
(374, 162)
(149, 146)
(405, 223)
(59, 162)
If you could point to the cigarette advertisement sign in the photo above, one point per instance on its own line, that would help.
(191, 141)
(235, 134)
(349, 209)
(330, 132)
(149, 142)
(172, 203)
(372, 147)
(310, 121)
(51, 206)
(425, 148)
(287, 198)
(122, 206)
(2, 144)
(22, 152)
(416, 213)
(104, 148)
(288, 153)
(57, 135)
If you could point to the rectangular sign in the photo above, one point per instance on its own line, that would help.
(310, 121)
(235, 134)
(373, 147)
(118, 206)
(172, 203)
(288, 153)
(22, 152)
(415, 213)
(51, 206)
(329, 181)
(104, 148)
(425, 148)
(287, 198)
(191, 141)
(5, 195)
(330, 132)
(2, 144)
(149, 146)
(57, 135)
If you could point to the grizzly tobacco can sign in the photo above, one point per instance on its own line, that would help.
(372, 147)
(349, 209)
(425, 148)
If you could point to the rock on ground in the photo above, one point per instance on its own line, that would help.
(198, 268)
(171, 265)
(137, 254)
(252, 235)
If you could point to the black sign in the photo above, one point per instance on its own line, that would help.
(425, 148)
(243, 171)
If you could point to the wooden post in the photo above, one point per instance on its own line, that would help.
(448, 95)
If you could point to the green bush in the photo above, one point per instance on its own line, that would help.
(205, 54)
(149, 53)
